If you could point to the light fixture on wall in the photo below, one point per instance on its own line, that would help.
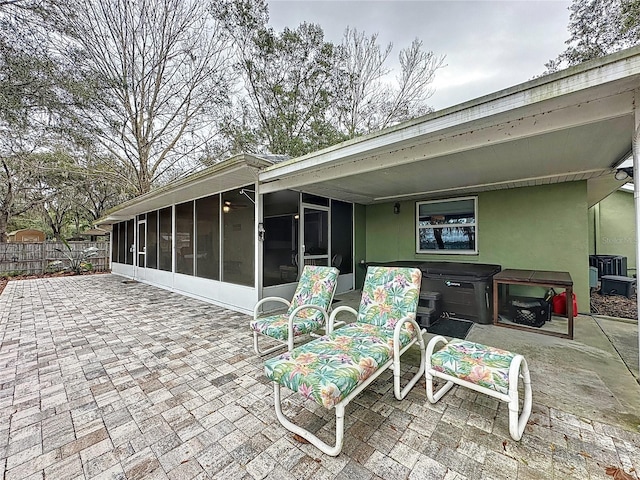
(624, 173)
(396, 208)
(226, 208)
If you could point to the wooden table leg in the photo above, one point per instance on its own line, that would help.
(570, 313)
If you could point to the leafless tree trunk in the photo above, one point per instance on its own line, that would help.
(371, 100)
(162, 72)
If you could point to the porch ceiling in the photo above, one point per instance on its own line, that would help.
(577, 125)
(579, 153)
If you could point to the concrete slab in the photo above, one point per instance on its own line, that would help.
(623, 335)
(101, 378)
(585, 376)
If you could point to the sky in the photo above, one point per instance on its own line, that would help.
(489, 45)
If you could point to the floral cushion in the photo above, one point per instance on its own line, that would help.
(315, 287)
(277, 326)
(330, 367)
(475, 363)
(388, 295)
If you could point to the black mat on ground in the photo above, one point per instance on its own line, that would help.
(450, 327)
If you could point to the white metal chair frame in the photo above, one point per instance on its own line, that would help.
(517, 369)
(290, 336)
(340, 407)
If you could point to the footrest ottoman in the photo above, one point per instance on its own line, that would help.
(484, 369)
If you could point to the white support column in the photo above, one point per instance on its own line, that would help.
(258, 254)
(636, 194)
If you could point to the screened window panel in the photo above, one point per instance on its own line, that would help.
(341, 236)
(238, 238)
(208, 237)
(130, 242)
(115, 232)
(184, 238)
(165, 240)
(281, 225)
(122, 243)
(152, 239)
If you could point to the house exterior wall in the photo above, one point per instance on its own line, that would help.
(543, 228)
(614, 226)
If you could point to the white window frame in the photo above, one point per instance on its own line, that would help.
(445, 251)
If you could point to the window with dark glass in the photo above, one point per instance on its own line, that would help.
(281, 227)
(114, 242)
(130, 241)
(122, 242)
(208, 237)
(447, 226)
(165, 239)
(341, 236)
(238, 237)
(315, 199)
(152, 239)
(184, 238)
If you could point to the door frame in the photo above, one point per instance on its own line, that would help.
(140, 269)
(301, 245)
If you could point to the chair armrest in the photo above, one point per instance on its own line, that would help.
(293, 316)
(396, 333)
(268, 299)
(431, 346)
(332, 318)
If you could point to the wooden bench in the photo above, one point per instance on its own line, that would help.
(484, 369)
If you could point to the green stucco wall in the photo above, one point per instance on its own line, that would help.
(614, 227)
(543, 228)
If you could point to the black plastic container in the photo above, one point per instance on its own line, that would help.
(617, 285)
(530, 311)
(466, 288)
(429, 308)
(609, 264)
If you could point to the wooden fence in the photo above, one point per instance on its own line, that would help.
(34, 258)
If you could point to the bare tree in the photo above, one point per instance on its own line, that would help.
(161, 73)
(370, 99)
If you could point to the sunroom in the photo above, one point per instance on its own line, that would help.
(210, 236)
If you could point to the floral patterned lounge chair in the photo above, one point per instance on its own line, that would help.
(335, 368)
(307, 312)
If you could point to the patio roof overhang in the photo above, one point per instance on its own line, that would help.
(576, 124)
(232, 173)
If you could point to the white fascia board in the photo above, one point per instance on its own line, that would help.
(591, 74)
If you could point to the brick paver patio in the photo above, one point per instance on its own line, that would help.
(105, 379)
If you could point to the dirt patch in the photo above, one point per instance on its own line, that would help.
(5, 280)
(615, 305)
